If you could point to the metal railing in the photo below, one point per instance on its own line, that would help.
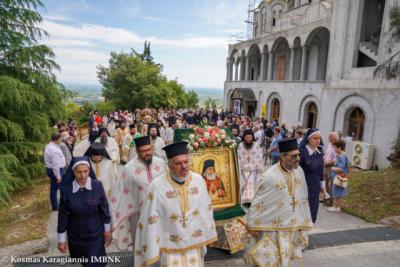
(82, 131)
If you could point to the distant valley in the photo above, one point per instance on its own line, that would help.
(92, 94)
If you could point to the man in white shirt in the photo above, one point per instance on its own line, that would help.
(55, 163)
(259, 135)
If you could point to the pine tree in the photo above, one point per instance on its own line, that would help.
(30, 97)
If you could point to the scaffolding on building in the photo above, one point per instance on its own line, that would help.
(243, 36)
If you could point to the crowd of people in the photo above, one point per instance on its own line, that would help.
(143, 216)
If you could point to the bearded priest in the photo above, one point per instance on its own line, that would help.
(103, 166)
(176, 222)
(128, 194)
(279, 217)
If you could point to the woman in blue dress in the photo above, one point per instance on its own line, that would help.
(341, 167)
(312, 163)
(83, 214)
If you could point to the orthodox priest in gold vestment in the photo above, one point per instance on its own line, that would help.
(279, 217)
(176, 221)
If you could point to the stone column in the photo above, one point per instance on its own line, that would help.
(291, 66)
(303, 63)
(237, 70)
(242, 68)
(230, 69)
(263, 65)
(247, 77)
(227, 69)
(270, 65)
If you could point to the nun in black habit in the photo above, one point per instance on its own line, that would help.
(83, 216)
(312, 163)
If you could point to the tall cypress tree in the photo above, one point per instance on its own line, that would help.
(31, 99)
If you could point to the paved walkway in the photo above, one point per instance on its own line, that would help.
(384, 253)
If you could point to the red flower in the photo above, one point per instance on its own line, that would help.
(195, 145)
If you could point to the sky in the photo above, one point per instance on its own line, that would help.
(188, 37)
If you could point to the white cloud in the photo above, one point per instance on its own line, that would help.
(155, 19)
(78, 73)
(121, 37)
(80, 48)
(77, 55)
(68, 43)
(61, 18)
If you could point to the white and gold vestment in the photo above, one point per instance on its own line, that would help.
(278, 218)
(127, 198)
(176, 223)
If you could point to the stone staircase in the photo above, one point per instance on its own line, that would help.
(369, 49)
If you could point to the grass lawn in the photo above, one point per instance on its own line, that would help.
(27, 215)
(374, 195)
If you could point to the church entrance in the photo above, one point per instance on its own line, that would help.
(356, 124)
(244, 102)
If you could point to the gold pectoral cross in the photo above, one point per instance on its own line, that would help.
(294, 203)
(184, 220)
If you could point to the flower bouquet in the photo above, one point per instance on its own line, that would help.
(209, 137)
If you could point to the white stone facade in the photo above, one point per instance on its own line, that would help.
(313, 62)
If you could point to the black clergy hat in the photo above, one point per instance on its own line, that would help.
(142, 141)
(247, 132)
(176, 149)
(235, 126)
(152, 125)
(97, 149)
(103, 130)
(287, 145)
(131, 126)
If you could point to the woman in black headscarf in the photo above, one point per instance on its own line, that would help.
(83, 215)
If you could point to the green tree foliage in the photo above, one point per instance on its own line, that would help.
(390, 69)
(30, 97)
(192, 99)
(104, 107)
(210, 103)
(133, 80)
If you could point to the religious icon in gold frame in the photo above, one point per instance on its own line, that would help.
(218, 167)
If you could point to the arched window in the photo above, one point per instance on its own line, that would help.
(264, 19)
(276, 106)
(273, 18)
(356, 124)
(311, 115)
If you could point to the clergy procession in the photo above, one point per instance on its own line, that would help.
(167, 185)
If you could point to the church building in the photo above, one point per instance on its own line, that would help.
(312, 62)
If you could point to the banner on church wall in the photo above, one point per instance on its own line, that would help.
(263, 110)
